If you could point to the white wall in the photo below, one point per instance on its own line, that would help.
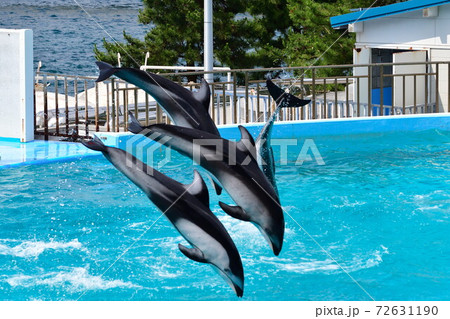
(407, 30)
(361, 56)
(16, 84)
(444, 56)
(419, 96)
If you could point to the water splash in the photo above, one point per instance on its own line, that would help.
(29, 249)
(76, 279)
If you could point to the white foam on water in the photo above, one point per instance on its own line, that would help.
(346, 202)
(304, 266)
(243, 232)
(137, 225)
(163, 272)
(77, 279)
(35, 248)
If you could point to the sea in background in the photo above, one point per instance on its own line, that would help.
(64, 34)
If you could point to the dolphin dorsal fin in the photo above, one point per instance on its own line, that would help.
(193, 253)
(198, 188)
(203, 95)
(234, 211)
(247, 143)
(133, 124)
(216, 186)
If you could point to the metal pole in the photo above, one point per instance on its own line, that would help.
(208, 40)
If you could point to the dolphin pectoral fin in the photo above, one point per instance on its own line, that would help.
(234, 211)
(133, 124)
(203, 95)
(106, 70)
(192, 253)
(198, 188)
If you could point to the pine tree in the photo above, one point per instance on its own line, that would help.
(246, 34)
(312, 41)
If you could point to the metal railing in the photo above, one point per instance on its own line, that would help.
(64, 103)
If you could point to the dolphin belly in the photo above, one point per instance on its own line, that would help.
(246, 198)
(214, 251)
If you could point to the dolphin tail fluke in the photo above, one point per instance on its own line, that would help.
(192, 253)
(106, 70)
(234, 211)
(95, 144)
(133, 124)
(293, 101)
(282, 98)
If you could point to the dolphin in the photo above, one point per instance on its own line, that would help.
(187, 208)
(264, 150)
(234, 166)
(185, 108)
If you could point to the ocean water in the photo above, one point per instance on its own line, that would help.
(376, 215)
(64, 34)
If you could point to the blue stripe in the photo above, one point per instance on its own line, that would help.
(379, 12)
(9, 139)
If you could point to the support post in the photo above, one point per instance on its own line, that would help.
(208, 40)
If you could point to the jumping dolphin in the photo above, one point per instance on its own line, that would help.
(187, 208)
(185, 108)
(234, 165)
(264, 150)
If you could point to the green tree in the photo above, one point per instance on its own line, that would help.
(312, 41)
(246, 34)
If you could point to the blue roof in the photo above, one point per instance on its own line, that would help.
(379, 12)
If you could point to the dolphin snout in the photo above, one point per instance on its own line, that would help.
(274, 236)
(236, 281)
(276, 242)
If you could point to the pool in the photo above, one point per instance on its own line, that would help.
(373, 222)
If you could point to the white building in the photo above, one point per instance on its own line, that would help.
(16, 85)
(411, 31)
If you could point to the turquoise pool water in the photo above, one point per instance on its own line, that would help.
(379, 207)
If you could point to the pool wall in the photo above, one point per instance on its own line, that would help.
(314, 128)
(333, 127)
(13, 153)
